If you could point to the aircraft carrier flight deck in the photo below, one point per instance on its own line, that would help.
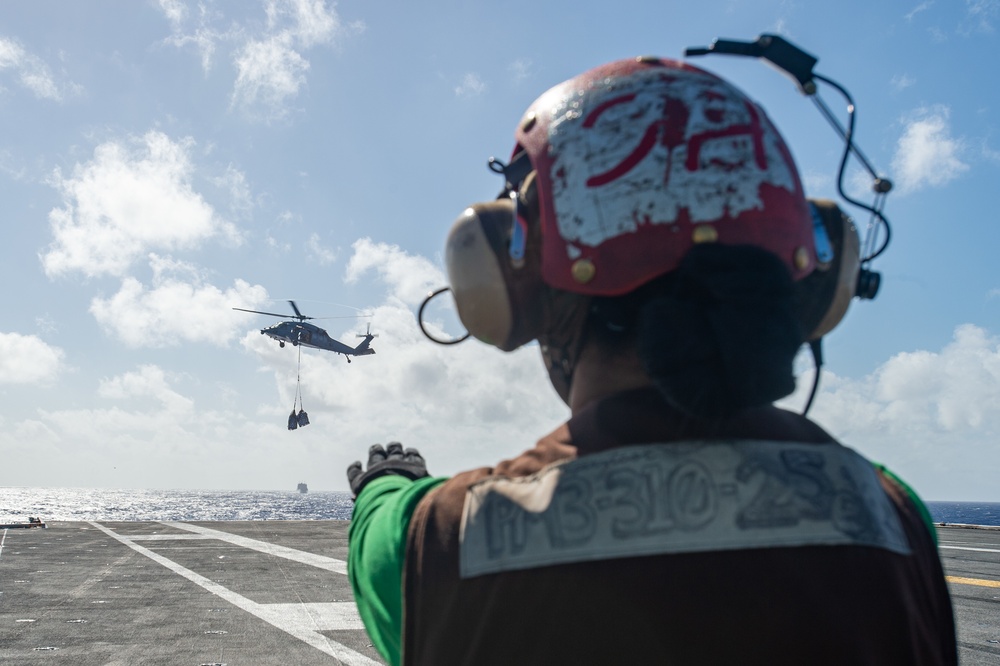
(262, 593)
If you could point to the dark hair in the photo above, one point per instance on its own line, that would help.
(717, 335)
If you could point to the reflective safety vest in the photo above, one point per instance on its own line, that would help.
(678, 497)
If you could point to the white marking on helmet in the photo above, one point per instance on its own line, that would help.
(625, 155)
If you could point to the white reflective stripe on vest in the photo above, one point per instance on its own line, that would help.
(677, 497)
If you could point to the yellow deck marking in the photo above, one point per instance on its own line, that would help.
(972, 581)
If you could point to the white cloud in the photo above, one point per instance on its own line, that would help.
(148, 381)
(464, 405)
(269, 72)
(11, 53)
(240, 196)
(409, 277)
(152, 424)
(46, 324)
(203, 36)
(816, 183)
(33, 73)
(204, 41)
(7, 163)
(319, 252)
(271, 69)
(989, 153)
(309, 22)
(858, 182)
(270, 63)
(923, 412)
(902, 81)
(923, 6)
(152, 435)
(932, 416)
(938, 36)
(357, 27)
(129, 199)
(926, 153)
(175, 11)
(283, 247)
(178, 308)
(521, 69)
(470, 86)
(27, 359)
(982, 14)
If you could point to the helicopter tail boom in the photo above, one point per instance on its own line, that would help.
(363, 349)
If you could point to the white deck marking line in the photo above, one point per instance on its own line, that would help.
(2, 539)
(169, 537)
(319, 616)
(302, 624)
(319, 561)
(981, 550)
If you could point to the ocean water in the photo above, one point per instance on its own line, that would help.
(51, 504)
(966, 513)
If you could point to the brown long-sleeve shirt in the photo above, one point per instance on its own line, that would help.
(634, 535)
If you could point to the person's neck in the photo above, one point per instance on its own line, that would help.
(598, 374)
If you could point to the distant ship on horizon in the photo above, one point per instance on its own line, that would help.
(303, 488)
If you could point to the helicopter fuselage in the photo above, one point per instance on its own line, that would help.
(310, 335)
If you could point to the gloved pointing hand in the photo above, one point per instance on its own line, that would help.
(390, 460)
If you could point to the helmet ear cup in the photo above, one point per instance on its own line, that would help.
(475, 273)
(500, 300)
(823, 296)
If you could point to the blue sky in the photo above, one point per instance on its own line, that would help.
(165, 161)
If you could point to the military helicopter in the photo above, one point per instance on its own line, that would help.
(309, 335)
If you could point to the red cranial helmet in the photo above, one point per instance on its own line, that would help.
(616, 175)
(638, 160)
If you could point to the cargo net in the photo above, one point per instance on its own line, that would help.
(300, 419)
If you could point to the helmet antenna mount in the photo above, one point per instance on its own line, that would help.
(513, 172)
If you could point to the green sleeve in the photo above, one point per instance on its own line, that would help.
(922, 509)
(376, 554)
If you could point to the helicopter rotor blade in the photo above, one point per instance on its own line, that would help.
(343, 317)
(368, 333)
(273, 314)
(298, 315)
